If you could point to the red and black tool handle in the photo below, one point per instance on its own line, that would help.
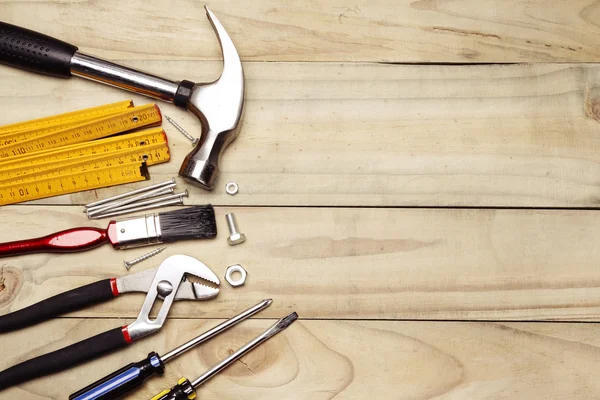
(72, 300)
(64, 358)
(68, 241)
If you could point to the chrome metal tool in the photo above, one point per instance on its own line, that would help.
(132, 376)
(185, 390)
(217, 105)
(164, 284)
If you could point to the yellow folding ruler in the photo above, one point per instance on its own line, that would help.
(19, 143)
(70, 118)
(87, 180)
(77, 151)
(150, 146)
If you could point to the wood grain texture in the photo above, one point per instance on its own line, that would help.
(349, 263)
(377, 135)
(336, 30)
(396, 302)
(345, 360)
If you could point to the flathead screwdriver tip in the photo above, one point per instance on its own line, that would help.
(281, 325)
(287, 321)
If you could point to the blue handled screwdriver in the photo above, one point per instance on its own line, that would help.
(132, 376)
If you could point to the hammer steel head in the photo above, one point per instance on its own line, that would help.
(219, 106)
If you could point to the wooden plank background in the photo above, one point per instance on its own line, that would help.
(418, 180)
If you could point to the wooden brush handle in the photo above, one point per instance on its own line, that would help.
(68, 241)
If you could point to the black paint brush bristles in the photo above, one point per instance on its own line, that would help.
(197, 222)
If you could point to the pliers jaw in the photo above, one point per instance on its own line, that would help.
(163, 283)
(168, 281)
(142, 281)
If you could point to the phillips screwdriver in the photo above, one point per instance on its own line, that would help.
(132, 376)
(184, 390)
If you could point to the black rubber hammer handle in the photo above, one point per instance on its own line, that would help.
(33, 51)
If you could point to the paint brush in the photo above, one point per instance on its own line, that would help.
(196, 222)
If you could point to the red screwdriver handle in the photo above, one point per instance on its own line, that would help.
(68, 241)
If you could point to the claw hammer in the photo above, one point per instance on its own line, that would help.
(218, 105)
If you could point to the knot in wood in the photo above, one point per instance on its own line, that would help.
(11, 280)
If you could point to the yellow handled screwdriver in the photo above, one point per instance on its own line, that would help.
(133, 376)
(185, 390)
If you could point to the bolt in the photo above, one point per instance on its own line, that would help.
(235, 237)
(129, 264)
(183, 131)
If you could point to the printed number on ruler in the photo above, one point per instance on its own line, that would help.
(137, 117)
(101, 146)
(54, 186)
(70, 118)
(150, 146)
(151, 154)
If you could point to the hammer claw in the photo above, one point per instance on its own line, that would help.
(218, 105)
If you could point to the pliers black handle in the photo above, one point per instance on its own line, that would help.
(62, 303)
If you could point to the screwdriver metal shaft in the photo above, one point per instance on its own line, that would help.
(257, 341)
(132, 376)
(216, 330)
(184, 389)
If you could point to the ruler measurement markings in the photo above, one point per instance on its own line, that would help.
(86, 127)
(146, 116)
(98, 164)
(151, 154)
(68, 118)
(128, 173)
(101, 146)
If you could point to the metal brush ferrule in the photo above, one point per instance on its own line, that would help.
(138, 231)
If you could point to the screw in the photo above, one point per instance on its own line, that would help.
(129, 264)
(235, 237)
(183, 131)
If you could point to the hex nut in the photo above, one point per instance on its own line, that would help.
(229, 275)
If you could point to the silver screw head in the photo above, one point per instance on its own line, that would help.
(127, 265)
